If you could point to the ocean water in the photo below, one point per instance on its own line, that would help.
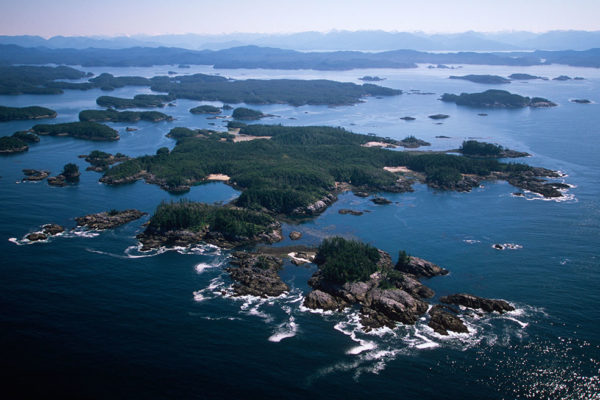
(86, 315)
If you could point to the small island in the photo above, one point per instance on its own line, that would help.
(69, 174)
(247, 114)
(525, 77)
(368, 78)
(581, 101)
(138, 101)
(101, 161)
(487, 79)
(79, 130)
(206, 109)
(108, 219)
(496, 99)
(562, 78)
(11, 145)
(24, 113)
(411, 142)
(473, 148)
(123, 116)
(439, 116)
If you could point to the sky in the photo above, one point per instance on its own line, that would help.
(153, 17)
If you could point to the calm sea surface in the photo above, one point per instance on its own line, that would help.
(86, 315)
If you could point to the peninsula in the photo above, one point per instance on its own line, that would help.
(79, 130)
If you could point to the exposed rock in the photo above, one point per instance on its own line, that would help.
(396, 304)
(131, 129)
(53, 229)
(316, 208)
(421, 268)
(411, 285)
(36, 236)
(380, 200)
(318, 299)
(58, 180)
(345, 211)
(444, 319)
(470, 301)
(256, 274)
(35, 174)
(295, 235)
(108, 220)
(361, 194)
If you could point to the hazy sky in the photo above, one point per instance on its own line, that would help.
(117, 17)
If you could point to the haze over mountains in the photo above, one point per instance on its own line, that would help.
(334, 40)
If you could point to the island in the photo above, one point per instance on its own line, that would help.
(411, 142)
(494, 98)
(11, 145)
(101, 161)
(439, 116)
(26, 79)
(562, 78)
(185, 222)
(368, 78)
(138, 101)
(122, 116)
(23, 113)
(108, 219)
(525, 77)
(79, 130)
(487, 79)
(247, 114)
(581, 101)
(69, 174)
(355, 273)
(299, 170)
(473, 148)
(206, 109)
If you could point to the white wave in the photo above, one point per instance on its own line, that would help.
(566, 197)
(507, 246)
(106, 253)
(522, 324)
(471, 241)
(85, 233)
(201, 267)
(285, 330)
(136, 251)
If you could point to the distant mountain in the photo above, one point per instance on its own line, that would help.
(331, 41)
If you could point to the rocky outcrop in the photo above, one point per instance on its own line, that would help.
(35, 174)
(58, 180)
(108, 219)
(381, 200)
(439, 116)
(345, 211)
(295, 235)
(444, 319)
(317, 299)
(531, 181)
(36, 236)
(47, 231)
(465, 184)
(471, 301)
(315, 208)
(396, 304)
(421, 268)
(256, 274)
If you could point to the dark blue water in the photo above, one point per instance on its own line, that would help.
(88, 316)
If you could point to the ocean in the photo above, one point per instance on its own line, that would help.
(87, 315)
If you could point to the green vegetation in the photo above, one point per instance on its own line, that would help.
(26, 136)
(475, 148)
(495, 99)
(138, 101)
(123, 116)
(180, 133)
(525, 77)
(297, 167)
(342, 260)
(233, 223)
(80, 130)
(34, 80)
(107, 81)
(247, 114)
(403, 259)
(9, 144)
(296, 92)
(489, 79)
(33, 112)
(205, 109)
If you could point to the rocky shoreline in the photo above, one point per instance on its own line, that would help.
(108, 219)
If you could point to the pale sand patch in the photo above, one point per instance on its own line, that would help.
(375, 144)
(217, 177)
(247, 138)
(397, 169)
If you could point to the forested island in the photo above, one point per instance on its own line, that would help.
(23, 113)
(206, 109)
(79, 130)
(123, 116)
(299, 171)
(247, 114)
(24, 79)
(481, 149)
(488, 79)
(496, 99)
(18, 142)
(525, 77)
(138, 101)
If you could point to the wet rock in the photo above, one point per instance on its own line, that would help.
(319, 300)
(421, 268)
(396, 304)
(316, 208)
(471, 301)
(58, 180)
(381, 200)
(35, 174)
(108, 219)
(345, 211)
(361, 194)
(295, 235)
(36, 236)
(444, 319)
(52, 229)
(256, 274)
